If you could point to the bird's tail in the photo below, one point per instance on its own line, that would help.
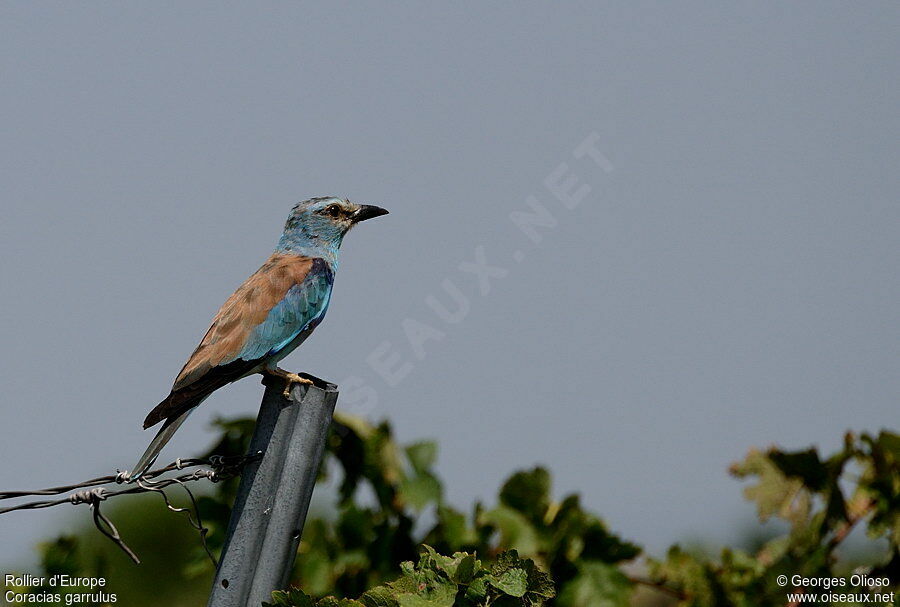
(159, 441)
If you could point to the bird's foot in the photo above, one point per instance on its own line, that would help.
(289, 379)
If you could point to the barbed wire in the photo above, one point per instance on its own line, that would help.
(92, 492)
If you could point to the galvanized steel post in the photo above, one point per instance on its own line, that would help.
(274, 493)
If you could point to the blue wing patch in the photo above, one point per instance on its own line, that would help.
(303, 307)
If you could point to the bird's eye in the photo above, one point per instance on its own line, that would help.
(333, 209)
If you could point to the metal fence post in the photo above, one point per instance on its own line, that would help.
(274, 493)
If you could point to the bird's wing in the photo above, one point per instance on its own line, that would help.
(286, 296)
(265, 313)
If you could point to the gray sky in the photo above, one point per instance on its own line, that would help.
(730, 283)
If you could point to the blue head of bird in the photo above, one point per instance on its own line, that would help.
(316, 227)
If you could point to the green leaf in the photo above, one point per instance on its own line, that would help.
(419, 491)
(292, 598)
(465, 568)
(506, 575)
(60, 556)
(889, 442)
(383, 464)
(355, 526)
(379, 597)
(453, 530)
(354, 423)
(596, 585)
(540, 585)
(516, 531)
(804, 465)
(478, 589)
(422, 456)
(414, 600)
(528, 492)
(333, 602)
(775, 493)
(513, 582)
(600, 544)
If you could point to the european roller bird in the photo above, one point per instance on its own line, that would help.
(268, 316)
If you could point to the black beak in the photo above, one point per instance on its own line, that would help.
(368, 211)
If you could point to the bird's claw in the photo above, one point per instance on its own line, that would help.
(289, 379)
